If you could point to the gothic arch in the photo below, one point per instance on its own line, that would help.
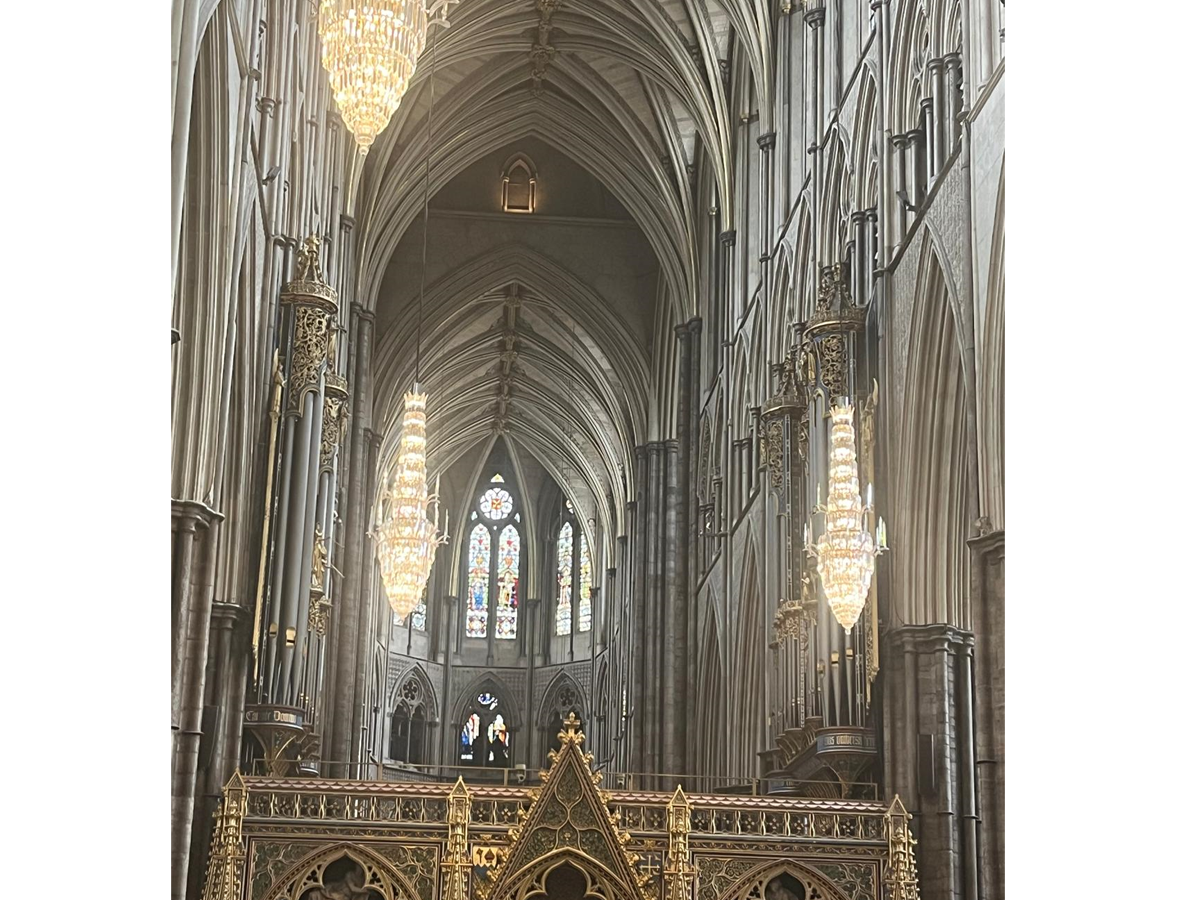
(748, 682)
(554, 702)
(489, 683)
(779, 338)
(991, 444)
(754, 885)
(710, 697)
(307, 874)
(429, 695)
(934, 500)
(600, 882)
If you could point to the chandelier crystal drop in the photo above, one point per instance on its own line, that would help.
(846, 551)
(370, 50)
(407, 540)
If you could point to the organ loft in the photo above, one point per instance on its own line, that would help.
(587, 450)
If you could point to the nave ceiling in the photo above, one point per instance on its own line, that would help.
(630, 92)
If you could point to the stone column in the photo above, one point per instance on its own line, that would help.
(937, 119)
(220, 745)
(353, 599)
(640, 693)
(987, 588)
(195, 541)
(654, 606)
(929, 752)
(368, 629)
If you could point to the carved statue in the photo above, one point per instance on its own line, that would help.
(320, 561)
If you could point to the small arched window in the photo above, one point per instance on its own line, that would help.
(409, 725)
(519, 185)
(484, 739)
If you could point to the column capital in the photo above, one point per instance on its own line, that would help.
(814, 13)
(192, 514)
(728, 238)
(362, 312)
(347, 222)
(682, 330)
(694, 324)
(639, 452)
(766, 141)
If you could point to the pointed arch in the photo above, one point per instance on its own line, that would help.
(991, 413)
(747, 700)
(563, 696)
(710, 697)
(755, 884)
(381, 875)
(933, 502)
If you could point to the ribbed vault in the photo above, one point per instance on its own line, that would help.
(514, 342)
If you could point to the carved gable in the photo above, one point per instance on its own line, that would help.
(569, 819)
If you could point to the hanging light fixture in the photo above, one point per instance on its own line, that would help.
(846, 551)
(408, 540)
(370, 50)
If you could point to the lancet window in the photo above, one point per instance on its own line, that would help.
(493, 562)
(573, 579)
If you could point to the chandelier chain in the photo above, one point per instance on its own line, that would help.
(425, 225)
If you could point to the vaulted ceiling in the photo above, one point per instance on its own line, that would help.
(635, 92)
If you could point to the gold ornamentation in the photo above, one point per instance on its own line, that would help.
(832, 353)
(679, 871)
(333, 418)
(900, 875)
(223, 880)
(315, 304)
(569, 818)
(320, 561)
(318, 612)
(456, 867)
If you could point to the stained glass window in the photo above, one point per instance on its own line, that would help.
(497, 478)
(488, 701)
(507, 568)
(585, 585)
(470, 731)
(497, 730)
(496, 503)
(479, 577)
(562, 613)
(417, 616)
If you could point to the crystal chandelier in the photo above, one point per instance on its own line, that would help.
(846, 551)
(370, 49)
(408, 539)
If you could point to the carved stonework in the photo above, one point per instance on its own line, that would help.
(569, 819)
(333, 418)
